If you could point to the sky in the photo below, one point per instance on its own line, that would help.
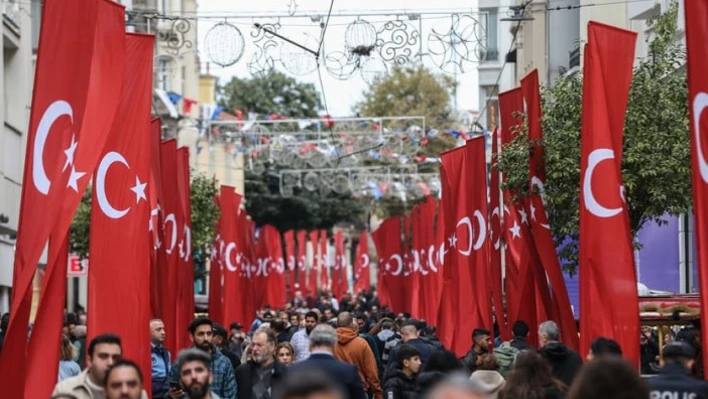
(341, 95)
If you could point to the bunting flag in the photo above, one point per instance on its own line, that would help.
(171, 211)
(231, 255)
(477, 196)
(608, 281)
(68, 127)
(495, 233)
(315, 264)
(120, 240)
(540, 225)
(696, 35)
(362, 272)
(322, 265)
(291, 261)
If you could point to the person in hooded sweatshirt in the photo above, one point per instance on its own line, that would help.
(564, 361)
(355, 350)
(488, 377)
(401, 384)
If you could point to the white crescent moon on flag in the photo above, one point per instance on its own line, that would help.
(171, 219)
(103, 203)
(535, 181)
(53, 112)
(227, 256)
(597, 156)
(365, 261)
(420, 254)
(466, 221)
(700, 103)
(497, 243)
(431, 259)
(187, 242)
(482, 230)
(398, 259)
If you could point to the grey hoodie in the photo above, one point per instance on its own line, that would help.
(491, 381)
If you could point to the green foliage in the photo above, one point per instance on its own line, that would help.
(275, 93)
(205, 213)
(655, 164)
(304, 210)
(409, 91)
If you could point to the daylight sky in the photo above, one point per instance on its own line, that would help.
(341, 95)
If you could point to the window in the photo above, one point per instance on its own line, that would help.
(36, 9)
(163, 74)
(490, 24)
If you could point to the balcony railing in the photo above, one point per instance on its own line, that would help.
(574, 58)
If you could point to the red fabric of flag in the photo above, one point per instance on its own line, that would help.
(289, 237)
(387, 239)
(311, 282)
(119, 276)
(608, 281)
(322, 266)
(171, 206)
(186, 260)
(696, 38)
(338, 277)
(69, 125)
(362, 262)
(156, 218)
(495, 235)
(540, 225)
(231, 255)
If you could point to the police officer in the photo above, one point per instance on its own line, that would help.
(674, 380)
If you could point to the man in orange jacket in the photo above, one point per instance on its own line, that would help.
(355, 350)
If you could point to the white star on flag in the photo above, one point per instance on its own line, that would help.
(139, 190)
(69, 152)
(74, 179)
(453, 241)
(515, 230)
(533, 213)
(524, 217)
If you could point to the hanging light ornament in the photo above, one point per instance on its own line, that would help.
(360, 38)
(224, 44)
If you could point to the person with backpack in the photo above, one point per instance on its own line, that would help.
(507, 351)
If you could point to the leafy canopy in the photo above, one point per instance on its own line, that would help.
(655, 164)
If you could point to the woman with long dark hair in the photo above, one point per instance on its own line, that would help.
(531, 377)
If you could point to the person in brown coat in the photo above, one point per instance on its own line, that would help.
(355, 350)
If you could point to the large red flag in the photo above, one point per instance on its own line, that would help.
(477, 194)
(540, 226)
(232, 307)
(68, 127)
(423, 249)
(387, 239)
(185, 304)
(171, 230)
(339, 272)
(410, 269)
(495, 233)
(460, 259)
(157, 273)
(608, 281)
(119, 276)
(696, 38)
(315, 265)
(276, 278)
(322, 265)
(245, 261)
(291, 262)
(362, 272)
(216, 291)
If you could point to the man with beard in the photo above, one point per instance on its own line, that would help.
(480, 347)
(103, 352)
(124, 380)
(300, 340)
(195, 375)
(223, 381)
(260, 377)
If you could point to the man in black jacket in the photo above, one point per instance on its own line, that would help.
(521, 333)
(323, 338)
(480, 347)
(260, 378)
(402, 383)
(565, 362)
(674, 380)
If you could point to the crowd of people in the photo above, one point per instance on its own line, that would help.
(354, 349)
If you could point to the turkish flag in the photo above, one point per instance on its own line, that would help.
(608, 281)
(185, 299)
(119, 276)
(424, 268)
(322, 266)
(245, 261)
(387, 239)
(231, 255)
(69, 125)
(362, 271)
(157, 272)
(171, 231)
(276, 277)
(290, 260)
(338, 272)
(477, 195)
(410, 269)
(495, 233)
(696, 36)
(216, 292)
(540, 226)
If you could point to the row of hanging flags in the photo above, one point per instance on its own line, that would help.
(251, 268)
(91, 122)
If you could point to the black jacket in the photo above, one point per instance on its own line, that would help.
(565, 362)
(427, 380)
(470, 361)
(424, 349)
(521, 344)
(344, 374)
(235, 360)
(401, 386)
(674, 381)
(245, 380)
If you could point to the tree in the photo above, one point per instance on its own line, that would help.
(274, 93)
(656, 159)
(205, 213)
